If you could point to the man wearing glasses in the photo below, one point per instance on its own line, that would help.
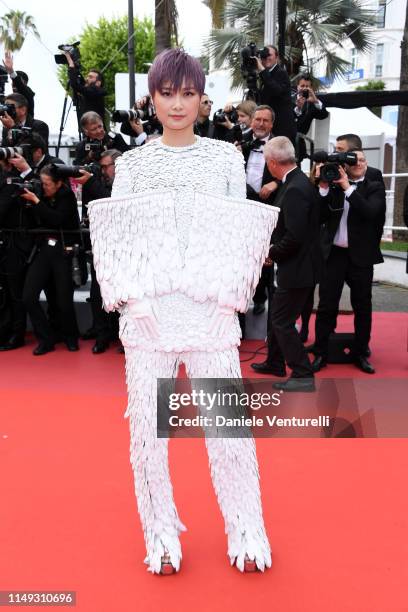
(276, 93)
(204, 127)
(354, 217)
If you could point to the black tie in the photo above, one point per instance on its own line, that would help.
(256, 144)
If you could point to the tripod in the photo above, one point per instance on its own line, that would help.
(65, 114)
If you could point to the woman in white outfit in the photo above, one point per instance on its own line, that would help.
(161, 249)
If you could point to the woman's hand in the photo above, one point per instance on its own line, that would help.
(30, 196)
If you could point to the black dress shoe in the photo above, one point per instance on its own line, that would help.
(14, 342)
(43, 348)
(90, 334)
(100, 346)
(259, 308)
(72, 344)
(306, 385)
(267, 368)
(363, 365)
(318, 363)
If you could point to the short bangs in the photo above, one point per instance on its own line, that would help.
(175, 66)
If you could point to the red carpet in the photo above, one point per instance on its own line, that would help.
(335, 510)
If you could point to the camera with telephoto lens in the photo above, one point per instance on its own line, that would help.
(73, 50)
(20, 185)
(248, 55)
(61, 171)
(221, 117)
(10, 109)
(329, 172)
(10, 152)
(74, 252)
(127, 115)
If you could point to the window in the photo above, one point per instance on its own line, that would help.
(381, 13)
(354, 59)
(379, 59)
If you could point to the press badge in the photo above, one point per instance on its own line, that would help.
(52, 242)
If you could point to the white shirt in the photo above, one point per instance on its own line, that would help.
(255, 167)
(341, 237)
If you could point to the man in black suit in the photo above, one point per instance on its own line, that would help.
(22, 119)
(96, 136)
(295, 248)
(354, 216)
(307, 107)
(261, 186)
(276, 92)
(352, 142)
(203, 126)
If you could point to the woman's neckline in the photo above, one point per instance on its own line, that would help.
(179, 148)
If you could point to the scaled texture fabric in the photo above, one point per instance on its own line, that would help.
(179, 233)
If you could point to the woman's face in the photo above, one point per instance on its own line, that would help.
(177, 110)
(244, 118)
(50, 187)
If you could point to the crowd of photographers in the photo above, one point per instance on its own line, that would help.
(45, 244)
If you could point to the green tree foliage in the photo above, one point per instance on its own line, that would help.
(14, 27)
(373, 86)
(100, 46)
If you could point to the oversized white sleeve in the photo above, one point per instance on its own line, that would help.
(122, 184)
(237, 176)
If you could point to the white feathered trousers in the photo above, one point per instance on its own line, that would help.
(233, 462)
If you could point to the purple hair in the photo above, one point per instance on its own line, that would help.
(175, 65)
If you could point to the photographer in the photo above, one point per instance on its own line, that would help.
(22, 120)
(19, 80)
(18, 248)
(353, 209)
(96, 140)
(307, 107)
(143, 126)
(352, 142)
(38, 158)
(94, 187)
(55, 209)
(89, 91)
(275, 91)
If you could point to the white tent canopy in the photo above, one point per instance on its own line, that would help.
(360, 121)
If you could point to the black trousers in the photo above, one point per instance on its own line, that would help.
(14, 266)
(340, 269)
(284, 344)
(50, 263)
(265, 288)
(105, 324)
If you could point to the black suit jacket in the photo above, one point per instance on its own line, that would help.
(303, 123)
(295, 240)
(373, 174)
(276, 92)
(266, 177)
(365, 222)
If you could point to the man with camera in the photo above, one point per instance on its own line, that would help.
(19, 80)
(352, 142)
(94, 187)
(275, 91)
(96, 140)
(295, 249)
(307, 107)
(140, 122)
(18, 246)
(353, 211)
(17, 117)
(89, 91)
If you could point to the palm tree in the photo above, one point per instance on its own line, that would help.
(14, 28)
(217, 8)
(166, 16)
(316, 25)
